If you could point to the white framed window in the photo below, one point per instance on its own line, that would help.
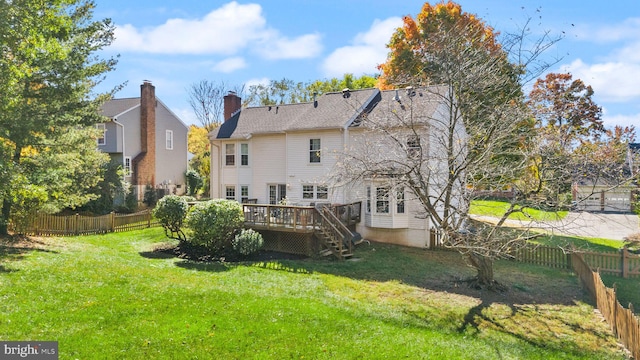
(368, 207)
(319, 192)
(102, 139)
(169, 139)
(244, 193)
(413, 146)
(382, 200)
(230, 193)
(230, 154)
(400, 201)
(322, 192)
(314, 151)
(127, 166)
(244, 154)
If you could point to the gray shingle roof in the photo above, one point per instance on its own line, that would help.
(115, 107)
(330, 111)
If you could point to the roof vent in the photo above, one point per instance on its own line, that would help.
(346, 93)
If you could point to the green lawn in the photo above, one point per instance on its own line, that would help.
(499, 208)
(111, 297)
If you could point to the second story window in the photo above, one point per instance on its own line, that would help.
(244, 154)
(413, 146)
(102, 138)
(169, 139)
(230, 154)
(314, 150)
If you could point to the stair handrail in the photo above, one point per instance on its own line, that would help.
(346, 234)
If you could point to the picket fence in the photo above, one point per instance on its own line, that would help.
(623, 322)
(66, 225)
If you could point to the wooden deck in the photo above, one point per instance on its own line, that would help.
(280, 217)
(304, 229)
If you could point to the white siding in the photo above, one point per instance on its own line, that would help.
(301, 172)
(267, 157)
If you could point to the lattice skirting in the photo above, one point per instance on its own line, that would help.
(291, 243)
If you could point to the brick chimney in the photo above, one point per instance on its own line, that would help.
(146, 166)
(232, 103)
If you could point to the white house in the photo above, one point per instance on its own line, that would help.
(296, 152)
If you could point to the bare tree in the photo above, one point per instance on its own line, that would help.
(481, 137)
(207, 101)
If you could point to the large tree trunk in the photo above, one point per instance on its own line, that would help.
(6, 213)
(484, 268)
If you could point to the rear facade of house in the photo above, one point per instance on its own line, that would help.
(289, 154)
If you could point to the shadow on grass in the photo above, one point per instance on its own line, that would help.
(203, 266)
(14, 248)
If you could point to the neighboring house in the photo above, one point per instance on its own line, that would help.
(288, 152)
(148, 139)
(609, 195)
(602, 196)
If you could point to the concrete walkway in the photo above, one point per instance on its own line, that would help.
(599, 225)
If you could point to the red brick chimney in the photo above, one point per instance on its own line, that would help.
(232, 103)
(146, 166)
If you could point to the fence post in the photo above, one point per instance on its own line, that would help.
(112, 221)
(76, 225)
(148, 216)
(625, 262)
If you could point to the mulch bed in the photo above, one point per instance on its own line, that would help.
(197, 253)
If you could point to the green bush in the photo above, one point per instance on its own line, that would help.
(171, 211)
(194, 182)
(150, 195)
(247, 242)
(214, 223)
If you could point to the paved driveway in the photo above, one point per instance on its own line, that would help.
(600, 225)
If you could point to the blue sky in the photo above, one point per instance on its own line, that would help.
(177, 43)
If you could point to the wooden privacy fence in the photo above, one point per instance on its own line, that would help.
(622, 321)
(61, 225)
(621, 263)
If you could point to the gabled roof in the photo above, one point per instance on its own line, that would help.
(332, 110)
(116, 107)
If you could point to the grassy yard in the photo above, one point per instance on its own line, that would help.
(498, 209)
(112, 296)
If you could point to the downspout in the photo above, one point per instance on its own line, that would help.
(124, 153)
(212, 169)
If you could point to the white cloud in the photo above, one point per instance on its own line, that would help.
(625, 30)
(623, 120)
(225, 31)
(614, 81)
(230, 65)
(305, 46)
(367, 51)
(261, 81)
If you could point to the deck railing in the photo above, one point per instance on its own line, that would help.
(280, 217)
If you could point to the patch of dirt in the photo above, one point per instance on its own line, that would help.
(196, 253)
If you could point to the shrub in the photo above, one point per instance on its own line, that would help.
(194, 182)
(171, 211)
(247, 242)
(213, 223)
(150, 195)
